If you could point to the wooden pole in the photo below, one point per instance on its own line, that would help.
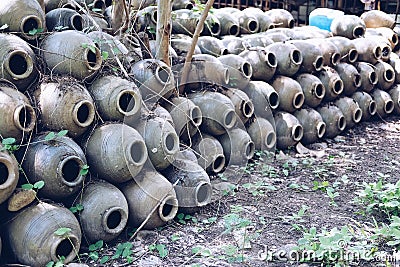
(188, 60)
(163, 30)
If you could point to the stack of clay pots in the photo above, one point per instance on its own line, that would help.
(103, 128)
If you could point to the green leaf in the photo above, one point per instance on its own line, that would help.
(35, 31)
(85, 170)
(5, 26)
(50, 136)
(104, 259)
(38, 185)
(180, 216)
(94, 255)
(27, 186)
(175, 237)
(104, 55)
(8, 141)
(62, 133)
(162, 250)
(51, 263)
(62, 231)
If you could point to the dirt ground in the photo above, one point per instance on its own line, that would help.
(258, 215)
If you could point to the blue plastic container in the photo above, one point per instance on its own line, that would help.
(322, 17)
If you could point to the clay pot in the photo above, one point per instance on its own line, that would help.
(22, 17)
(369, 78)
(386, 75)
(94, 22)
(212, 26)
(391, 37)
(350, 109)
(366, 104)
(277, 36)
(132, 43)
(145, 19)
(9, 175)
(18, 61)
(395, 95)
(211, 46)
(313, 125)
(65, 105)
(330, 52)
(53, 4)
(18, 116)
(210, 153)
(240, 70)
(229, 23)
(385, 46)
(350, 26)
(289, 58)
(248, 22)
(332, 83)
(150, 197)
(64, 54)
(350, 77)
(218, 112)
(182, 4)
(384, 103)
(187, 154)
(116, 152)
(102, 218)
(263, 61)
(346, 48)
(234, 45)
(193, 188)
(244, 108)
(281, 18)
(154, 50)
(139, 4)
(64, 19)
(162, 113)
(37, 250)
(58, 163)
(312, 56)
(368, 49)
(186, 116)
(264, 21)
(377, 18)
(116, 98)
(154, 79)
(262, 133)
(288, 130)
(254, 40)
(184, 21)
(161, 140)
(182, 46)
(290, 93)
(313, 89)
(264, 98)
(97, 6)
(238, 146)
(333, 118)
(394, 61)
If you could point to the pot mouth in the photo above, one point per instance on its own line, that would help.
(114, 220)
(19, 64)
(136, 153)
(65, 246)
(99, 6)
(298, 100)
(7, 174)
(108, 3)
(234, 30)
(341, 123)
(357, 115)
(28, 24)
(153, 16)
(128, 102)
(273, 99)
(386, 50)
(92, 59)
(318, 63)
(188, 6)
(227, 76)
(290, 23)
(83, 113)
(163, 74)
(337, 87)
(372, 108)
(203, 194)
(218, 163)
(270, 139)
(170, 143)
(389, 106)
(352, 55)
(357, 80)
(373, 78)
(296, 57)
(247, 108)
(252, 26)
(224, 51)
(394, 39)
(229, 119)
(321, 129)
(270, 59)
(377, 52)
(319, 90)
(24, 117)
(215, 28)
(69, 6)
(246, 69)
(358, 32)
(196, 116)
(249, 150)
(297, 132)
(335, 58)
(168, 208)
(389, 75)
(69, 171)
(77, 22)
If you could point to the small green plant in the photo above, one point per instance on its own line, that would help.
(201, 251)
(91, 47)
(35, 31)
(160, 248)
(94, 250)
(77, 208)
(183, 218)
(84, 170)
(124, 250)
(233, 254)
(258, 188)
(52, 135)
(58, 263)
(9, 144)
(38, 185)
(298, 218)
(63, 231)
(233, 221)
(332, 194)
